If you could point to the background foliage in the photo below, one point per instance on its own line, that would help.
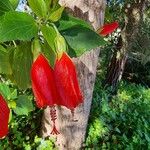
(122, 123)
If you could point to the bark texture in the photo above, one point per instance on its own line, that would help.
(73, 130)
(134, 12)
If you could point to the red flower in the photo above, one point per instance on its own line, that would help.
(58, 86)
(67, 83)
(108, 28)
(43, 84)
(4, 117)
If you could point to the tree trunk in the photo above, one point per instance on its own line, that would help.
(134, 15)
(72, 131)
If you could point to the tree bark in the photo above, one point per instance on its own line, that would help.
(72, 131)
(134, 12)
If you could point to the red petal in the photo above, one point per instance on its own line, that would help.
(108, 28)
(4, 117)
(43, 84)
(67, 83)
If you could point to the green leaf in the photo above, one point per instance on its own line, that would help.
(23, 105)
(12, 104)
(7, 92)
(117, 130)
(49, 53)
(17, 26)
(13, 94)
(22, 62)
(5, 66)
(14, 3)
(48, 3)
(36, 48)
(56, 15)
(60, 44)
(49, 34)
(4, 90)
(82, 39)
(68, 21)
(5, 6)
(38, 7)
(55, 4)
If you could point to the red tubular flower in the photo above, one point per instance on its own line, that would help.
(43, 86)
(58, 86)
(108, 28)
(4, 117)
(67, 83)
